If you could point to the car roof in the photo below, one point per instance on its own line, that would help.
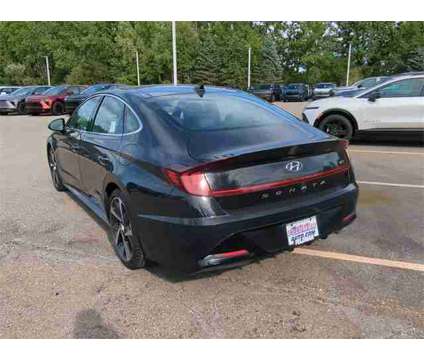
(163, 90)
(388, 81)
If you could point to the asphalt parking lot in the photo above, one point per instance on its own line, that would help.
(59, 277)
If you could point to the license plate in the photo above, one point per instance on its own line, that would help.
(302, 231)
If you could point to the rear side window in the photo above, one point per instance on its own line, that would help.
(214, 111)
(82, 117)
(131, 123)
(109, 118)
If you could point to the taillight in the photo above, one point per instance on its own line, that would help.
(194, 183)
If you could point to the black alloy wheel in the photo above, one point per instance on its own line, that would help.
(125, 243)
(21, 109)
(58, 108)
(337, 125)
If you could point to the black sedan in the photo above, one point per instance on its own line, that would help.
(15, 102)
(296, 92)
(270, 92)
(72, 101)
(194, 177)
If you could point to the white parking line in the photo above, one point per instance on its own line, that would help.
(386, 152)
(360, 259)
(391, 184)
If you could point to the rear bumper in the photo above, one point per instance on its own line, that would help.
(181, 243)
(293, 97)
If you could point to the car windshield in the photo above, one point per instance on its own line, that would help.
(213, 111)
(293, 86)
(95, 88)
(325, 86)
(55, 90)
(23, 91)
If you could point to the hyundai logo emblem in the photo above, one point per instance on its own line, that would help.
(294, 166)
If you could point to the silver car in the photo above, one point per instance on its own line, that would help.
(322, 90)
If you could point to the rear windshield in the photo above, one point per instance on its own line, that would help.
(55, 90)
(214, 111)
(23, 91)
(95, 88)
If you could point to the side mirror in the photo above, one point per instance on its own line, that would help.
(360, 86)
(374, 96)
(57, 125)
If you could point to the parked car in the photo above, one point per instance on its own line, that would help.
(269, 92)
(53, 100)
(309, 91)
(192, 177)
(283, 88)
(15, 102)
(363, 84)
(5, 90)
(322, 90)
(72, 101)
(395, 105)
(296, 92)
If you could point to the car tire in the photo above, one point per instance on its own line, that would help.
(21, 109)
(56, 179)
(58, 108)
(337, 125)
(125, 241)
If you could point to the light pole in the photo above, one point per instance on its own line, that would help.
(138, 68)
(248, 67)
(174, 51)
(348, 64)
(48, 70)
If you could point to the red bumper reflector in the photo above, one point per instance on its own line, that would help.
(216, 259)
(348, 217)
(232, 254)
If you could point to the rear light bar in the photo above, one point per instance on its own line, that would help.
(195, 183)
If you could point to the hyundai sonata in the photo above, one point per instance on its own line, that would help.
(193, 177)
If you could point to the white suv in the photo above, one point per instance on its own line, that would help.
(395, 105)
